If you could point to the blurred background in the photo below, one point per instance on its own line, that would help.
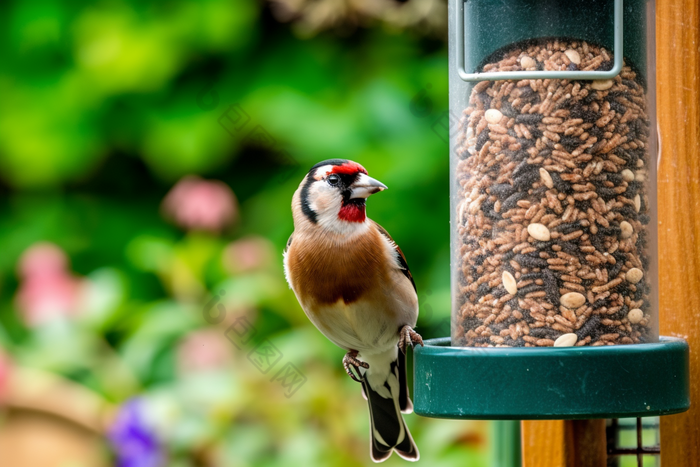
(148, 155)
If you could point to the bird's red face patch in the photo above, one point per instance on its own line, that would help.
(352, 212)
(349, 168)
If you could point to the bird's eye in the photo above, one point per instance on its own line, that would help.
(333, 180)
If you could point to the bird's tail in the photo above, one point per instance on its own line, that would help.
(387, 394)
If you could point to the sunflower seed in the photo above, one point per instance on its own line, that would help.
(635, 315)
(572, 300)
(566, 340)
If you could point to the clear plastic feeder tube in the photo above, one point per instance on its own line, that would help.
(553, 166)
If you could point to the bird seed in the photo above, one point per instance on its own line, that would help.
(553, 208)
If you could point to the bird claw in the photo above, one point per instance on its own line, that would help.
(407, 336)
(350, 361)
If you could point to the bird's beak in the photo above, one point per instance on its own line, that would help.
(365, 186)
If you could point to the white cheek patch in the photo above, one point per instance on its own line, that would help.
(313, 196)
(329, 204)
(322, 171)
(323, 198)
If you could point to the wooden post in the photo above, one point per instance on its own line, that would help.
(587, 443)
(543, 443)
(564, 443)
(678, 99)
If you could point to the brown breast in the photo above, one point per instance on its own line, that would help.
(325, 272)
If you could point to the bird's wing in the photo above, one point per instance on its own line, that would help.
(289, 243)
(403, 265)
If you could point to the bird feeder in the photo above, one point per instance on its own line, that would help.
(553, 151)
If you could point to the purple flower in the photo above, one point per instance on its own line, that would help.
(134, 442)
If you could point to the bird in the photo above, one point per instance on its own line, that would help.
(353, 283)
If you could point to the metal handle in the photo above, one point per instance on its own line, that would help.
(499, 75)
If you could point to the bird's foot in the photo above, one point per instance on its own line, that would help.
(351, 362)
(407, 336)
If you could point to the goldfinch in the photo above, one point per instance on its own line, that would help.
(354, 285)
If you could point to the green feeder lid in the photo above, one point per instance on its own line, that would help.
(636, 380)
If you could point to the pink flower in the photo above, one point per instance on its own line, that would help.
(196, 204)
(203, 349)
(47, 289)
(248, 254)
(42, 259)
(4, 374)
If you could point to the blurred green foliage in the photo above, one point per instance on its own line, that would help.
(104, 106)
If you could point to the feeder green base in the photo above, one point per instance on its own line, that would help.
(640, 380)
